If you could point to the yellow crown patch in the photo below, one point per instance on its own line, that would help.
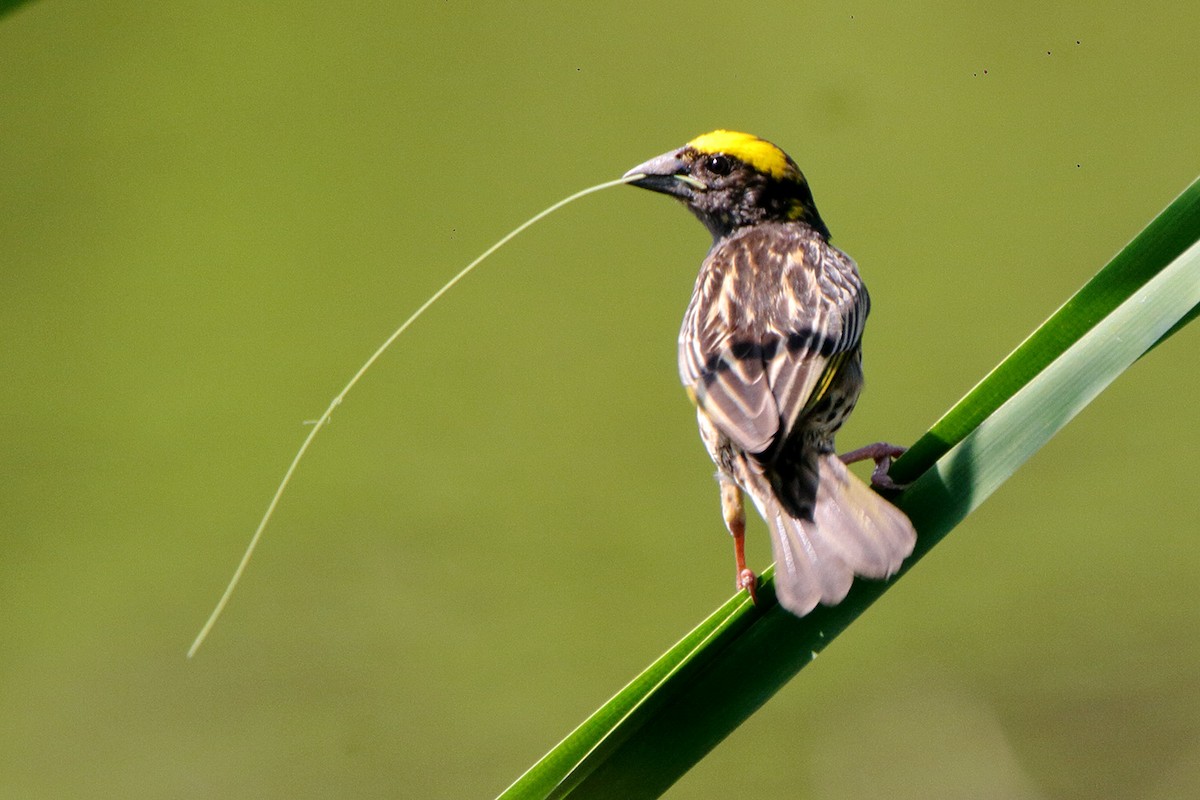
(758, 153)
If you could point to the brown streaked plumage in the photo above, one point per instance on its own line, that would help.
(770, 353)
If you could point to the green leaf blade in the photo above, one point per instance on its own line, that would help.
(737, 681)
(559, 770)
(703, 688)
(1159, 243)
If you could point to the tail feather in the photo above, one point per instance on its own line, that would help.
(853, 531)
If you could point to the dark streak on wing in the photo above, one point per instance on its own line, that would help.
(800, 294)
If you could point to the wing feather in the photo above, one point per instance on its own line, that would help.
(755, 365)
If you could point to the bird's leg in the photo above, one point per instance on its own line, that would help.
(735, 520)
(882, 454)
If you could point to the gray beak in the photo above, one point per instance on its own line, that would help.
(667, 174)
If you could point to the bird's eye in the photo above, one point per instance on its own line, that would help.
(719, 164)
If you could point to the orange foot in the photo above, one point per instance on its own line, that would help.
(747, 580)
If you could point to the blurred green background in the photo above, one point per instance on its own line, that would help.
(212, 213)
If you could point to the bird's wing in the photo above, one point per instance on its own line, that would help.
(773, 317)
(823, 311)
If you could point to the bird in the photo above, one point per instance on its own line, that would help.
(770, 354)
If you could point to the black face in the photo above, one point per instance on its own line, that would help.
(726, 193)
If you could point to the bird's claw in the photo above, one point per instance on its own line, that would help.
(746, 579)
(882, 454)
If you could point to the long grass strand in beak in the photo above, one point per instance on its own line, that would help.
(323, 420)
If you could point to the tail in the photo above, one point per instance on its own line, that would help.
(851, 531)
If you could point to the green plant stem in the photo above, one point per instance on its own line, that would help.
(655, 729)
(1159, 243)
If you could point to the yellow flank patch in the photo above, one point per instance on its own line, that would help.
(758, 153)
(831, 370)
